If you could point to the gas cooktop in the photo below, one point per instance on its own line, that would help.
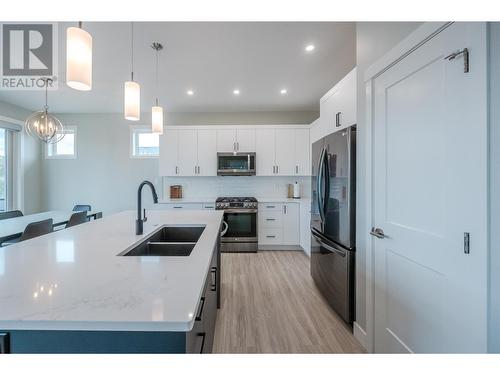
(235, 202)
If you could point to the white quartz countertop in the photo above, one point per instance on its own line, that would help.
(73, 279)
(212, 200)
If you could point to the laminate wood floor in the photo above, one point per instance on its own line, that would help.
(271, 305)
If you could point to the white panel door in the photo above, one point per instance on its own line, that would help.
(207, 152)
(430, 187)
(291, 224)
(285, 150)
(188, 152)
(226, 140)
(302, 153)
(245, 139)
(265, 152)
(168, 152)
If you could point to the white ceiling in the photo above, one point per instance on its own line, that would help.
(211, 58)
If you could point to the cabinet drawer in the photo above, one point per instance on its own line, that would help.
(270, 207)
(270, 219)
(270, 236)
(185, 206)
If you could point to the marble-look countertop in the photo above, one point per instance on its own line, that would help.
(73, 279)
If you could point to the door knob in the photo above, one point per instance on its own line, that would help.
(377, 232)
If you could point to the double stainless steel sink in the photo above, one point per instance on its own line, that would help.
(168, 241)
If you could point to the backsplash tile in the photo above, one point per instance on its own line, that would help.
(219, 186)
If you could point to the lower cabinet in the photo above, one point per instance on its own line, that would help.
(200, 339)
(279, 224)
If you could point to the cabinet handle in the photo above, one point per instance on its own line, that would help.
(277, 169)
(213, 287)
(270, 219)
(176, 170)
(209, 206)
(177, 206)
(284, 208)
(271, 236)
(270, 206)
(200, 311)
(337, 119)
(238, 146)
(234, 146)
(296, 169)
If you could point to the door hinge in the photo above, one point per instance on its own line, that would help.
(466, 242)
(464, 52)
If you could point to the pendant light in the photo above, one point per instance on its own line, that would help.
(156, 110)
(44, 125)
(132, 99)
(78, 58)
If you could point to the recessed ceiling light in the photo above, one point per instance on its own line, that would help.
(190, 92)
(236, 92)
(283, 91)
(310, 48)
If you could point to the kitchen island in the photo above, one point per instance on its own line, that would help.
(74, 291)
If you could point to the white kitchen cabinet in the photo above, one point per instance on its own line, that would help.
(302, 153)
(236, 140)
(291, 224)
(245, 140)
(168, 153)
(285, 152)
(265, 152)
(207, 152)
(188, 152)
(279, 225)
(338, 107)
(226, 140)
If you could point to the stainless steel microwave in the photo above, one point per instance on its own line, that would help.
(236, 164)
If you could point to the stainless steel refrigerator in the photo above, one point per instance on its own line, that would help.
(333, 219)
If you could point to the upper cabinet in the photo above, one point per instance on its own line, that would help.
(283, 152)
(236, 140)
(188, 152)
(337, 108)
(192, 151)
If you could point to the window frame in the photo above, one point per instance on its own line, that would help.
(135, 129)
(74, 130)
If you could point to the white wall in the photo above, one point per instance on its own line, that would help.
(494, 269)
(373, 40)
(104, 175)
(31, 155)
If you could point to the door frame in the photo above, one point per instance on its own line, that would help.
(416, 39)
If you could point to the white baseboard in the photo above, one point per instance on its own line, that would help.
(360, 335)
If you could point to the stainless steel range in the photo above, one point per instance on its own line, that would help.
(239, 233)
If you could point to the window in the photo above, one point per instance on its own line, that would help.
(65, 148)
(143, 143)
(6, 167)
(3, 170)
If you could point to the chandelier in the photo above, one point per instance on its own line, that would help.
(44, 125)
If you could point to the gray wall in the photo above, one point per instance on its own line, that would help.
(373, 40)
(104, 175)
(494, 290)
(31, 156)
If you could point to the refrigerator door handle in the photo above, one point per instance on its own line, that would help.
(327, 183)
(332, 249)
(318, 186)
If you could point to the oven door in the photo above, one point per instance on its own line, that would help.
(241, 225)
(229, 164)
